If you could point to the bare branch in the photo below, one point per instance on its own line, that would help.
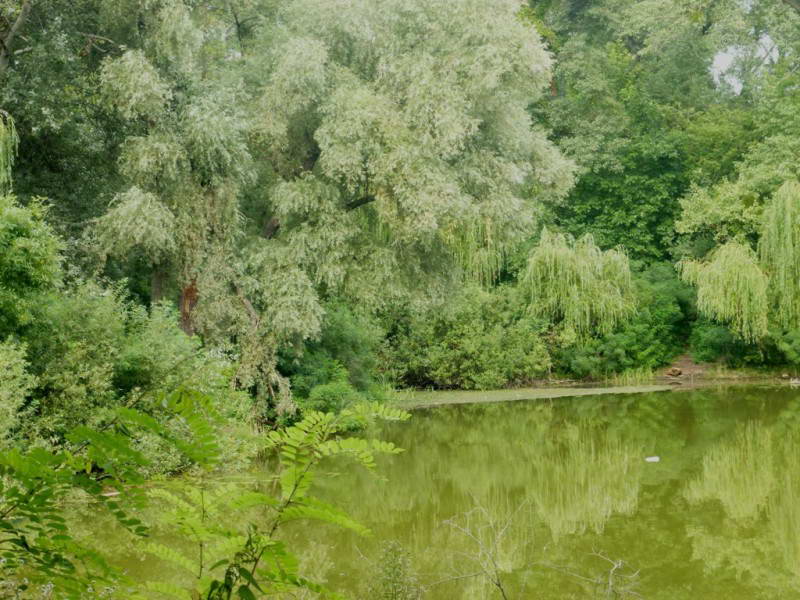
(366, 199)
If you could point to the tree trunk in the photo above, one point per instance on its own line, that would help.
(795, 4)
(8, 40)
(157, 282)
(188, 302)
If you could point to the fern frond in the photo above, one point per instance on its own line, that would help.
(311, 508)
(170, 555)
(169, 590)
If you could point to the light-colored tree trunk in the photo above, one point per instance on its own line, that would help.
(8, 39)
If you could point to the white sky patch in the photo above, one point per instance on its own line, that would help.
(727, 63)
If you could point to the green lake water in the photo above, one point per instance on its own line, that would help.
(558, 497)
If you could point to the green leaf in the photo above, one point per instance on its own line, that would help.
(245, 593)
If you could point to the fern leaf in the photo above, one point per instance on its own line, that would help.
(170, 555)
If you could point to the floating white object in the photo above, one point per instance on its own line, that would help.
(653, 459)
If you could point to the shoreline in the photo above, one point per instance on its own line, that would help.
(418, 399)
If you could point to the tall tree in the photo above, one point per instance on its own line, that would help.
(384, 139)
(187, 156)
(399, 130)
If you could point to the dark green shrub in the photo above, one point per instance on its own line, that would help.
(711, 342)
(789, 344)
(349, 343)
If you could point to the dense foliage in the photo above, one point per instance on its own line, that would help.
(222, 219)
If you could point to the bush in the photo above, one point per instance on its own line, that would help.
(15, 385)
(483, 340)
(91, 351)
(331, 397)
(348, 343)
(788, 343)
(29, 261)
(154, 352)
(648, 340)
(711, 342)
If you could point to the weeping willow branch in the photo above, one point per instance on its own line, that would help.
(477, 250)
(779, 250)
(9, 140)
(579, 285)
(731, 289)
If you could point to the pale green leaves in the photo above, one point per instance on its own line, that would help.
(133, 86)
(177, 40)
(779, 250)
(137, 220)
(298, 80)
(9, 140)
(15, 384)
(736, 288)
(359, 129)
(417, 111)
(213, 134)
(732, 289)
(579, 285)
(152, 160)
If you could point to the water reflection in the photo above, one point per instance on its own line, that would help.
(555, 500)
(694, 525)
(755, 476)
(582, 476)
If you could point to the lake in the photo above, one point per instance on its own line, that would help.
(666, 495)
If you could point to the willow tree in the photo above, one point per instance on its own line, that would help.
(746, 291)
(381, 132)
(779, 251)
(186, 158)
(578, 285)
(400, 136)
(731, 289)
(9, 141)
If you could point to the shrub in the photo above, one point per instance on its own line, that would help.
(348, 343)
(788, 343)
(331, 397)
(482, 340)
(15, 385)
(155, 352)
(29, 261)
(651, 338)
(712, 342)
(91, 351)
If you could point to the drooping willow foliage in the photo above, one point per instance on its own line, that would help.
(737, 474)
(731, 289)
(585, 479)
(9, 140)
(580, 285)
(479, 250)
(779, 251)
